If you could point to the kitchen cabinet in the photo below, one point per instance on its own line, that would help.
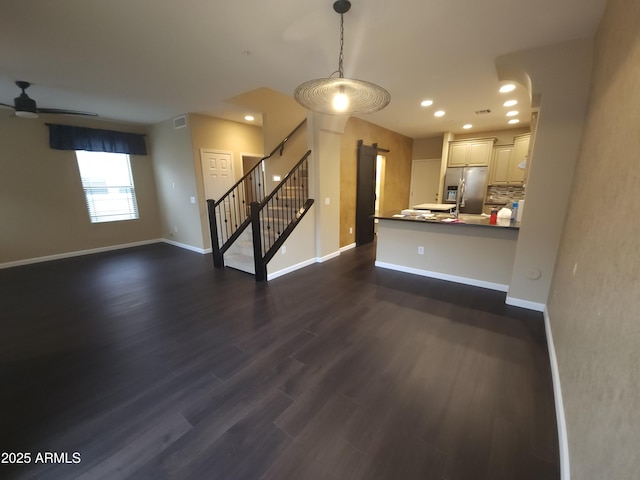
(519, 155)
(505, 162)
(474, 152)
(500, 165)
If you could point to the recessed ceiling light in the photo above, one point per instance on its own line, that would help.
(512, 113)
(509, 87)
(514, 120)
(510, 103)
(467, 126)
(426, 103)
(249, 118)
(439, 113)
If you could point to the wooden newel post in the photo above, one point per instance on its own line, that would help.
(218, 260)
(258, 262)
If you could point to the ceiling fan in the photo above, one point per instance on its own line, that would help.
(26, 107)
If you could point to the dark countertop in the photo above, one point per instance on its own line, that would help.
(464, 219)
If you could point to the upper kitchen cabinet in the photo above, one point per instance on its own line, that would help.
(507, 161)
(475, 152)
(500, 165)
(519, 155)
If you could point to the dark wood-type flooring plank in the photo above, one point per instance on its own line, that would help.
(153, 365)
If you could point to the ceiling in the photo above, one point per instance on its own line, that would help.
(145, 61)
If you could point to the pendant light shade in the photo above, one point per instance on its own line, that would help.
(339, 95)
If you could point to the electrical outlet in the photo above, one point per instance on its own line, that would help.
(327, 201)
(350, 230)
(420, 250)
(284, 249)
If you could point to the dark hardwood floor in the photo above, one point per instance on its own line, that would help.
(150, 364)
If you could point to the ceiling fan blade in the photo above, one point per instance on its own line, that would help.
(25, 106)
(66, 112)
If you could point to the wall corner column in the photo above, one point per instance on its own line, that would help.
(559, 76)
(325, 139)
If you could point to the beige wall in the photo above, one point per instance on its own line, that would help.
(294, 150)
(42, 205)
(430, 147)
(219, 134)
(280, 113)
(176, 183)
(397, 181)
(595, 297)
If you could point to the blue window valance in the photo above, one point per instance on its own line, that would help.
(66, 137)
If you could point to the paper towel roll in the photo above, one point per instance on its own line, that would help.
(520, 208)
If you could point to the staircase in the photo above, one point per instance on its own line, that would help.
(240, 254)
(274, 219)
(248, 227)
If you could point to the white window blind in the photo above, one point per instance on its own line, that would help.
(108, 186)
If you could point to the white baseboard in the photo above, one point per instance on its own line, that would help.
(298, 266)
(284, 271)
(565, 471)
(78, 253)
(187, 247)
(518, 302)
(328, 257)
(292, 268)
(347, 247)
(443, 276)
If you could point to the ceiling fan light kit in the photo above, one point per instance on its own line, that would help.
(26, 114)
(26, 107)
(339, 95)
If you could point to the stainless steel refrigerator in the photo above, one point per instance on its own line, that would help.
(475, 185)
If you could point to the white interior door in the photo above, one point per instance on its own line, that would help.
(425, 181)
(217, 172)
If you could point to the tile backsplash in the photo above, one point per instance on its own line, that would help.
(504, 193)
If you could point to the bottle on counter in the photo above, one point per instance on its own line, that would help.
(493, 219)
(520, 210)
(514, 212)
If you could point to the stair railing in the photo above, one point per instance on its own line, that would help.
(230, 215)
(277, 215)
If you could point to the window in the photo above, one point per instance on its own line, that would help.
(108, 186)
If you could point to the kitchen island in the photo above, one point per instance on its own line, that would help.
(467, 250)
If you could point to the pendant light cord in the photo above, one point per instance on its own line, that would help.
(341, 57)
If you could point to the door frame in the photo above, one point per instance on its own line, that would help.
(366, 192)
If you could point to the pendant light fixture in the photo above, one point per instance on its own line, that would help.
(339, 95)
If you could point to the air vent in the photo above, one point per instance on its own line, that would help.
(483, 112)
(180, 122)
